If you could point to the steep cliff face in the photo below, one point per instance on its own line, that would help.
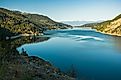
(112, 27)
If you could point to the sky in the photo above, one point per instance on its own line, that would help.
(67, 10)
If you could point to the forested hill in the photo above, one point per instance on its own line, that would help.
(16, 22)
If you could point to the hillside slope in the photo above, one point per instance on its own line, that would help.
(15, 22)
(112, 27)
(45, 22)
(88, 25)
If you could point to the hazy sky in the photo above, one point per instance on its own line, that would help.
(68, 10)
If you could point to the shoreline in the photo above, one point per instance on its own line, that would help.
(52, 72)
(21, 35)
(24, 35)
(117, 35)
(21, 66)
(34, 61)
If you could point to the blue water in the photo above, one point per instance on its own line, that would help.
(94, 56)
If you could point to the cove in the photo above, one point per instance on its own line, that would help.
(93, 55)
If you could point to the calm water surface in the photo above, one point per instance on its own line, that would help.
(93, 55)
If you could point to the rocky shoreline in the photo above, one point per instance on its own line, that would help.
(39, 69)
(23, 67)
(16, 66)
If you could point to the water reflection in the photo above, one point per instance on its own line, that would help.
(94, 55)
(117, 42)
(13, 44)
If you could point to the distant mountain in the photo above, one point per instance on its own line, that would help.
(15, 22)
(88, 25)
(78, 23)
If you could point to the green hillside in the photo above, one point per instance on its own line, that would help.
(16, 22)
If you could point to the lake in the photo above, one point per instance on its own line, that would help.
(92, 55)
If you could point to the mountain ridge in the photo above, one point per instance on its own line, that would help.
(17, 22)
(79, 23)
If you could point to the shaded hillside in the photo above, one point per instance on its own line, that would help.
(25, 23)
(17, 23)
(5, 32)
(88, 25)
